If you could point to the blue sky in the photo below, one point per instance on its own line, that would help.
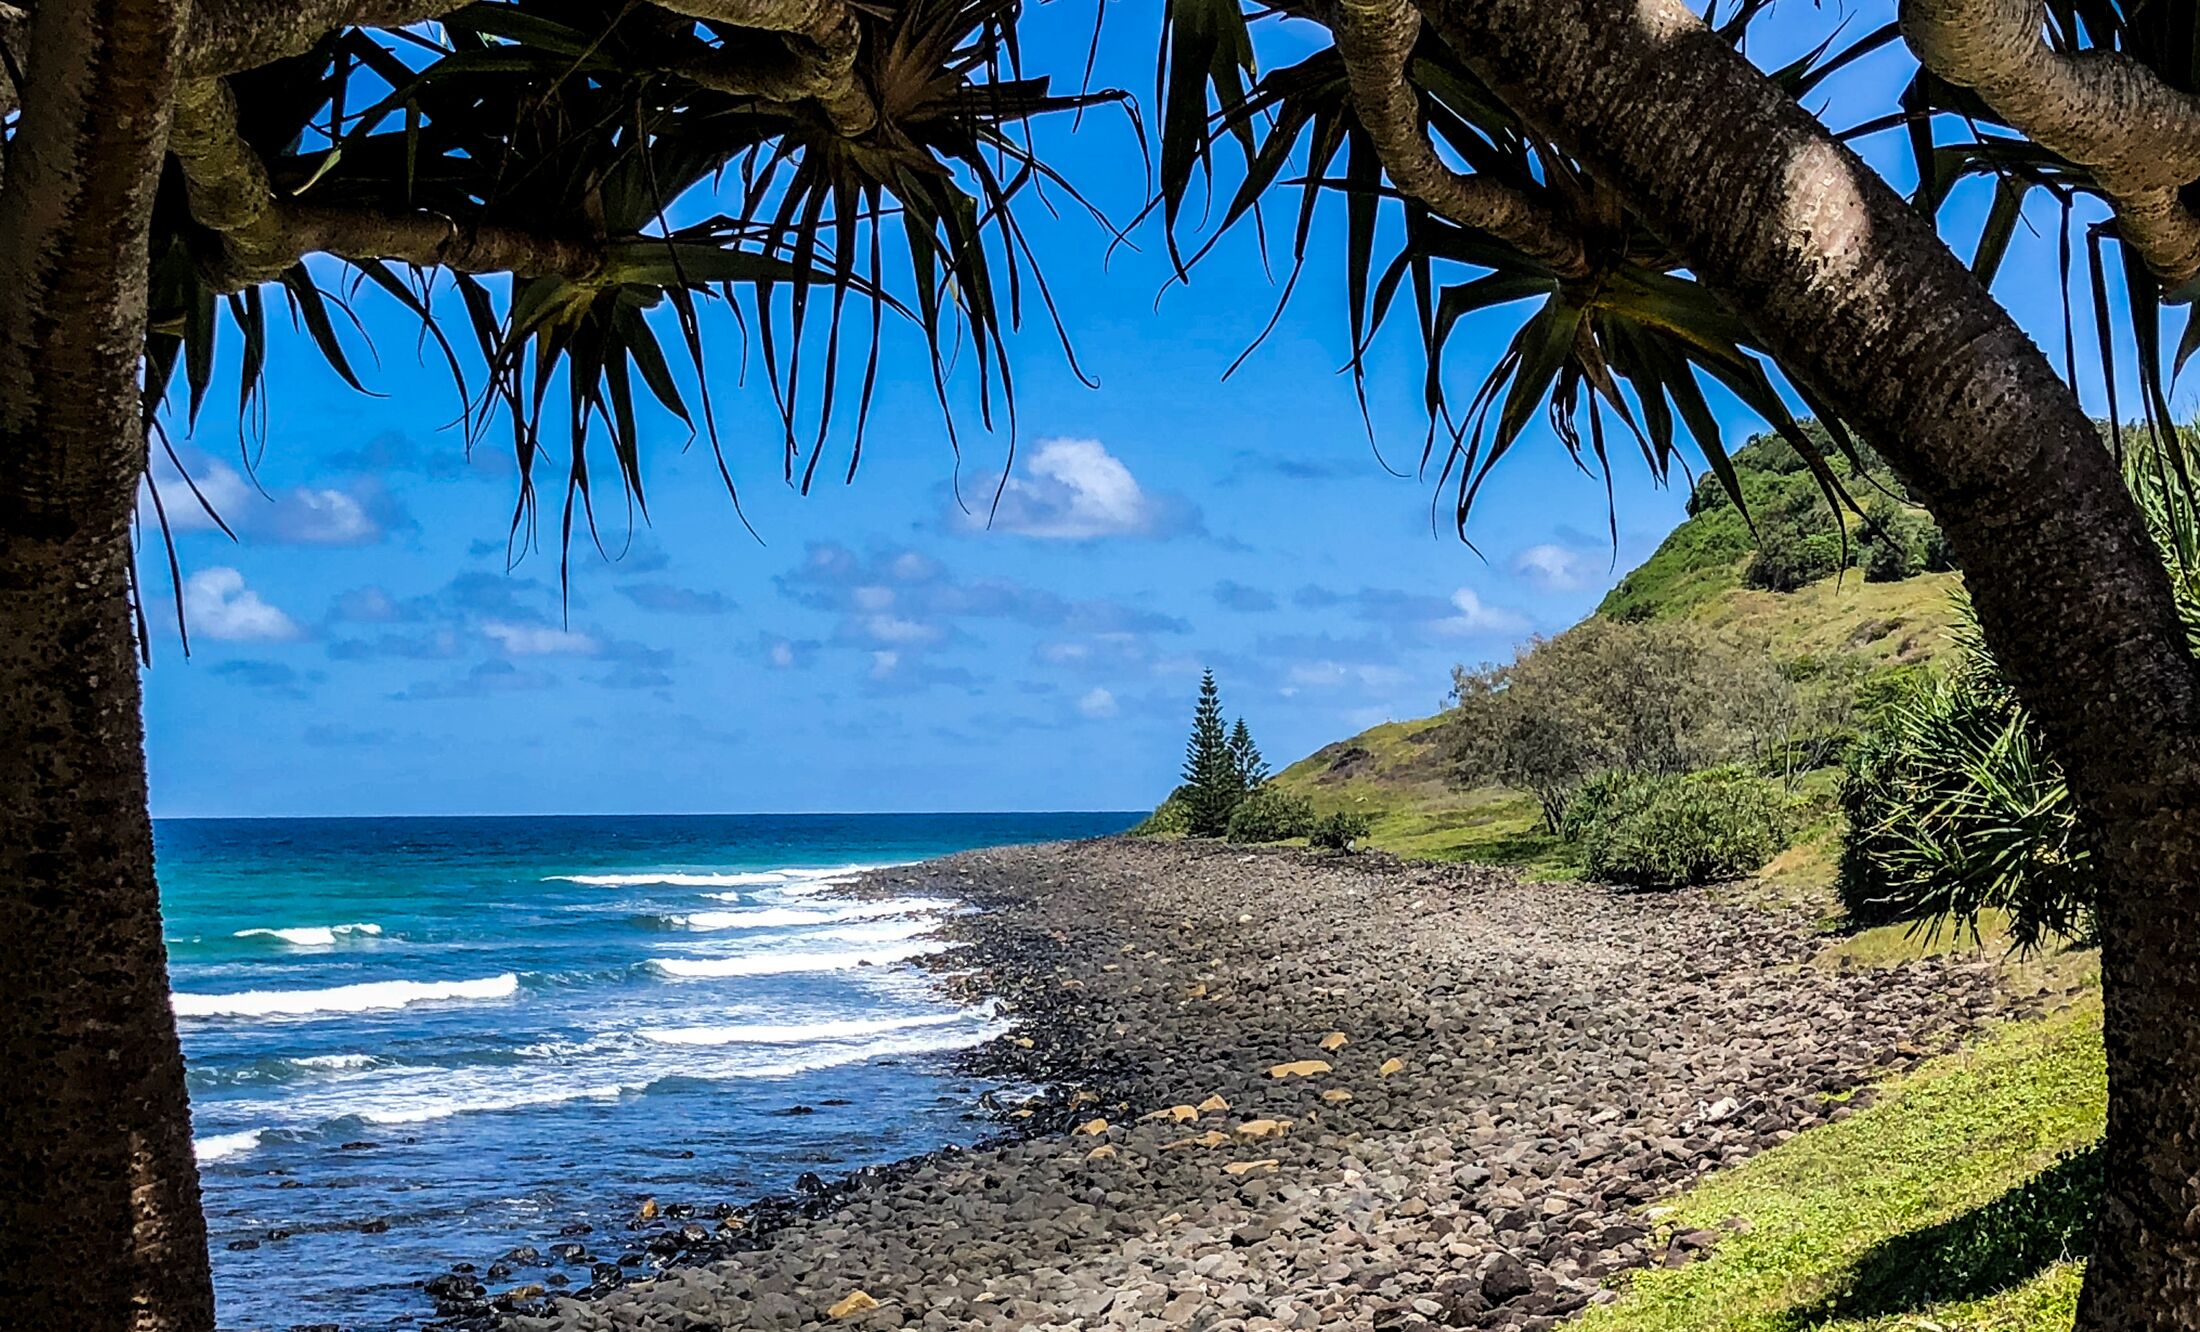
(362, 648)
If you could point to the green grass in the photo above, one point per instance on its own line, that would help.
(1961, 1200)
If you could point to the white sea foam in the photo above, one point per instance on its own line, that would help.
(765, 918)
(313, 936)
(219, 1145)
(779, 964)
(341, 999)
(792, 879)
(335, 1061)
(800, 1033)
(603, 1068)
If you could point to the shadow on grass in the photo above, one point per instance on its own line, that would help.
(1990, 1248)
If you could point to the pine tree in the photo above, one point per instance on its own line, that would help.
(1210, 776)
(1245, 758)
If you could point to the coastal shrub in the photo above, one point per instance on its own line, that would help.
(1339, 831)
(1604, 695)
(1270, 815)
(1592, 798)
(1954, 808)
(1954, 805)
(1673, 831)
(1172, 818)
(1892, 544)
(1655, 697)
(1794, 551)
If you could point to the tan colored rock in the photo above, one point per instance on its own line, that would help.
(1256, 1129)
(647, 1211)
(1336, 1096)
(1248, 1167)
(1019, 1114)
(1175, 1114)
(1301, 1068)
(1091, 1128)
(1023, 1042)
(1104, 1152)
(1334, 1042)
(856, 1302)
(1084, 1097)
(1198, 991)
(1211, 1138)
(1213, 1105)
(1390, 1066)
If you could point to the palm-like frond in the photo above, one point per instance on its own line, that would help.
(1629, 347)
(572, 118)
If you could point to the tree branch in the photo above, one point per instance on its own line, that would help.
(262, 235)
(2106, 112)
(817, 61)
(1376, 39)
(231, 36)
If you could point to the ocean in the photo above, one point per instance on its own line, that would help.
(415, 1042)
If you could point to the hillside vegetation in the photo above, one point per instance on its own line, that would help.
(1401, 776)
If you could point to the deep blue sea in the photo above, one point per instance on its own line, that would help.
(477, 1030)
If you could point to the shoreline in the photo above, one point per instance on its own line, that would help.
(1523, 1068)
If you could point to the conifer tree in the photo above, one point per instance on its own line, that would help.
(1245, 758)
(1211, 782)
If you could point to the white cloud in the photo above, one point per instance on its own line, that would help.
(1075, 490)
(217, 604)
(1553, 568)
(1474, 616)
(1097, 702)
(538, 640)
(295, 516)
(883, 664)
(782, 655)
(324, 517)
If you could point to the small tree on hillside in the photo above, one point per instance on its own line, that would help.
(1212, 787)
(1245, 758)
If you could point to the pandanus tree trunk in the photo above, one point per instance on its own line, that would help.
(99, 1196)
(1859, 298)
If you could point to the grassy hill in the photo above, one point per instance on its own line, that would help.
(1398, 773)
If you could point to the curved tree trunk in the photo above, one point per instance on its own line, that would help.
(1858, 297)
(99, 1194)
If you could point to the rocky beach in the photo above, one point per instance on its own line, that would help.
(1274, 1089)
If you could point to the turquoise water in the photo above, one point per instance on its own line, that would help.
(414, 1042)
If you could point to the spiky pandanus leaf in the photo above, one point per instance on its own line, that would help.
(1627, 347)
(576, 119)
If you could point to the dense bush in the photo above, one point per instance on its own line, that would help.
(1593, 798)
(1173, 818)
(1270, 815)
(1672, 831)
(1955, 808)
(1954, 805)
(1602, 695)
(1339, 831)
(1794, 551)
(1893, 542)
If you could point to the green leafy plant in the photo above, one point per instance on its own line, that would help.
(1171, 818)
(1894, 544)
(1269, 815)
(1340, 831)
(1674, 831)
(1954, 805)
(1954, 808)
